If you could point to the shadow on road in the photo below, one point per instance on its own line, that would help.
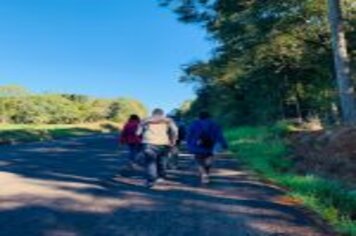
(73, 187)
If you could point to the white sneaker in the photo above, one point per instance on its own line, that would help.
(160, 180)
(205, 179)
(150, 184)
(136, 167)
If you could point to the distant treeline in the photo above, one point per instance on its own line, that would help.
(19, 106)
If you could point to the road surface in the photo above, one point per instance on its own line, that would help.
(75, 187)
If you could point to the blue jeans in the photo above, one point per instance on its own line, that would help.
(134, 150)
(155, 161)
(173, 155)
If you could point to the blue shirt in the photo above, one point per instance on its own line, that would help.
(206, 126)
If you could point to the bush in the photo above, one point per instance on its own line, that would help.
(24, 108)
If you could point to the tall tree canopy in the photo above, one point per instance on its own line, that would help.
(273, 59)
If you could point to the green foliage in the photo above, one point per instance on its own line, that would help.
(121, 108)
(264, 150)
(282, 128)
(264, 157)
(18, 106)
(273, 60)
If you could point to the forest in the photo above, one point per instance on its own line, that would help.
(273, 60)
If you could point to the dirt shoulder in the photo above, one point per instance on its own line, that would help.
(327, 153)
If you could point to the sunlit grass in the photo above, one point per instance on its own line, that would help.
(264, 150)
(14, 133)
(35, 127)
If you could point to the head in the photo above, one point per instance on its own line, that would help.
(204, 115)
(158, 112)
(134, 117)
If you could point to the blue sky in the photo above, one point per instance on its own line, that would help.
(103, 48)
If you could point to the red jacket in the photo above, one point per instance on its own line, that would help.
(128, 134)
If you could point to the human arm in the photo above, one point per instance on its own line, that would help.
(220, 138)
(123, 135)
(140, 128)
(174, 132)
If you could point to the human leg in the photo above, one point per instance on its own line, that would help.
(151, 156)
(162, 161)
(204, 166)
(172, 158)
(132, 152)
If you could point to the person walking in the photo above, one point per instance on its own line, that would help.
(205, 135)
(130, 138)
(159, 134)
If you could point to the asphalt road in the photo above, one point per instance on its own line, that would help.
(76, 187)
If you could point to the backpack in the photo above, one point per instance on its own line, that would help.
(205, 139)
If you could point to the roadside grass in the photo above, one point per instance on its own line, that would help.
(264, 150)
(11, 133)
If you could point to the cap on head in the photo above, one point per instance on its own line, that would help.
(158, 112)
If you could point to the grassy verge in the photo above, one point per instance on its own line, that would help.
(264, 150)
(10, 134)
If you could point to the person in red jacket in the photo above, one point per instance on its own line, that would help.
(130, 138)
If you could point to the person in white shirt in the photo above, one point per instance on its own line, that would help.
(159, 134)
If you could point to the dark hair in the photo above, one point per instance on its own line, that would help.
(134, 117)
(158, 112)
(204, 115)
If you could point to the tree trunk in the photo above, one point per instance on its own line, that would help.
(298, 107)
(341, 61)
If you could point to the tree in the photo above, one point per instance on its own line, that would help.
(273, 60)
(121, 108)
(18, 106)
(341, 60)
(6, 94)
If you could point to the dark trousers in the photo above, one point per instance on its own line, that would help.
(173, 156)
(204, 162)
(156, 156)
(134, 149)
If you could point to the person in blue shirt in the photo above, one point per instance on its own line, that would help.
(205, 135)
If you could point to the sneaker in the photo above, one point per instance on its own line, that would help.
(160, 180)
(135, 167)
(150, 184)
(205, 179)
